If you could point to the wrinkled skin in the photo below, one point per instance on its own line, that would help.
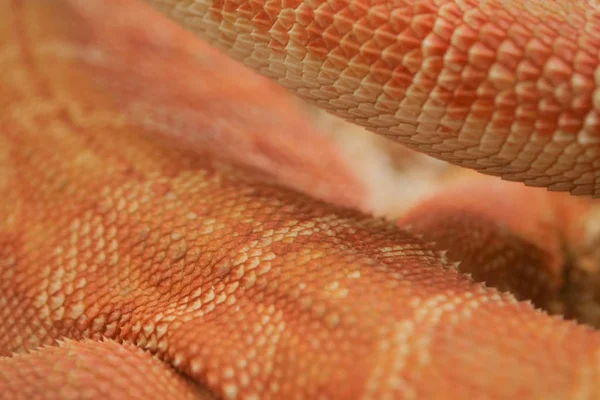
(164, 233)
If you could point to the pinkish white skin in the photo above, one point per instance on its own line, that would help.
(395, 178)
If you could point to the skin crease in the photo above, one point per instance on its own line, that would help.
(122, 226)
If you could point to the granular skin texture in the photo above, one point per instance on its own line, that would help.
(249, 288)
(91, 370)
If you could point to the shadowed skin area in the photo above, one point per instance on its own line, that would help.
(139, 259)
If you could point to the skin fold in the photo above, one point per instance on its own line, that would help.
(173, 226)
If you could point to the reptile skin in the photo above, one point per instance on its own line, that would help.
(171, 226)
(507, 87)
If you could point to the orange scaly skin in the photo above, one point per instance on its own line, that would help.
(112, 236)
(95, 370)
(505, 87)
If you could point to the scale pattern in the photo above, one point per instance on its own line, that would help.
(504, 87)
(104, 370)
(121, 229)
(248, 288)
